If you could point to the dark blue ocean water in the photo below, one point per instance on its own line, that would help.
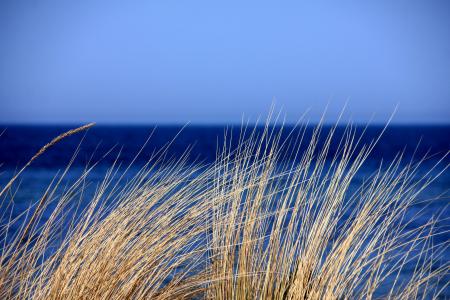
(19, 143)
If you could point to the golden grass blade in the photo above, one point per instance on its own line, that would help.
(43, 149)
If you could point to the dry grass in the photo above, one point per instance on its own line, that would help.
(245, 227)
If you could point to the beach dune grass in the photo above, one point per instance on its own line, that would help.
(253, 225)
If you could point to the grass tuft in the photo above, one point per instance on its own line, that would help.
(253, 225)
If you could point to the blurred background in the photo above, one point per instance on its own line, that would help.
(209, 62)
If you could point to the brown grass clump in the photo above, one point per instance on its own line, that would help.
(246, 227)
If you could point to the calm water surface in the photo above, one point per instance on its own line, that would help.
(19, 143)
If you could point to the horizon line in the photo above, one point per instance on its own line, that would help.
(222, 124)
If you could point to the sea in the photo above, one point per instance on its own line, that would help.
(135, 145)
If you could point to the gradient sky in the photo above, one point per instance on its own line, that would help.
(211, 62)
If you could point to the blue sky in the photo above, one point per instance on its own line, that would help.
(211, 62)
